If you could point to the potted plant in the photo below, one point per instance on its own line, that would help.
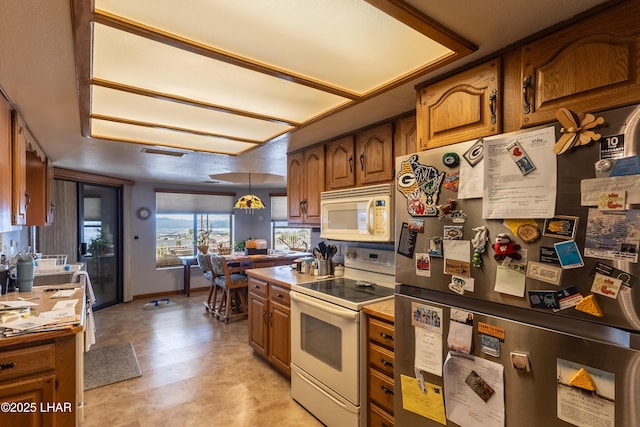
(101, 244)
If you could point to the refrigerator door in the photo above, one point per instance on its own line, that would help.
(540, 397)
(572, 168)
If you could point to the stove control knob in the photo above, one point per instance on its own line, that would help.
(351, 255)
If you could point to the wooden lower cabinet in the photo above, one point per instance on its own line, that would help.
(270, 323)
(39, 382)
(380, 361)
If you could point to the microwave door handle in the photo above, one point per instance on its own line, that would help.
(369, 206)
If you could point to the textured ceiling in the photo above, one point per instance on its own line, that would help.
(37, 72)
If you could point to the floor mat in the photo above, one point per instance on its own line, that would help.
(110, 364)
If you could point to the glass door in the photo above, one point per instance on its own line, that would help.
(99, 233)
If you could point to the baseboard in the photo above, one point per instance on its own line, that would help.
(163, 294)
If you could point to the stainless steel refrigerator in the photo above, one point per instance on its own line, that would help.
(519, 295)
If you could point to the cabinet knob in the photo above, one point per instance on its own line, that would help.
(386, 362)
(386, 390)
(386, 336)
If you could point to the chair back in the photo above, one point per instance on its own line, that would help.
(218, 265)
(203, 262)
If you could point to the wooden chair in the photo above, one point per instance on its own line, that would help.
(204, 263)
(234, 285)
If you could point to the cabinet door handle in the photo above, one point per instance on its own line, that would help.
(386, 362)
(526, 84)
(492, 105)
(351, 163)
(280, 296)
(5, 366)
(362, 162)
(271, 319)
(27, 200)
(386, 336)
(386, 390)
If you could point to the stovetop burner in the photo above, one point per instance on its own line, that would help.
(356, 292)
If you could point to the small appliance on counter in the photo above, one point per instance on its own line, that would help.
(255, 247)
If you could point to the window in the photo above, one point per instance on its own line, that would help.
(286, 238)
(186, 220)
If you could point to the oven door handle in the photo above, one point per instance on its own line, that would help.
(345, 314)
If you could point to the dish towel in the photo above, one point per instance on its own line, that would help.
(90, 326)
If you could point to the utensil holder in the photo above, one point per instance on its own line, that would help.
(324, 267)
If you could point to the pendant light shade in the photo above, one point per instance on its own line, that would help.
(249, 202)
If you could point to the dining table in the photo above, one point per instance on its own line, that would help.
(242, 260)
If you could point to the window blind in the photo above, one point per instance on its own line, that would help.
(279, 208)
(189, 203)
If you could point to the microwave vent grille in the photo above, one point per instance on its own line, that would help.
(371, 190)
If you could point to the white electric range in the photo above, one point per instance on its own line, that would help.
(328, 336)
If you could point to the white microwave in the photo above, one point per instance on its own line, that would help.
(362, 214)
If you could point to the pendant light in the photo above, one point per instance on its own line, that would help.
(249, 202)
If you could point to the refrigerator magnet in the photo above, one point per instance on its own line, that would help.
(490, 345)
(476, 153)
(435, 247)
(544, 299)
(606, 286)
(568, 254)
(561, 226)
(423, 265)
(520, 361)
(521, 158)
(479, 385)
(544, 272)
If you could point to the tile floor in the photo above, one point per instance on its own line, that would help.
(196, 371)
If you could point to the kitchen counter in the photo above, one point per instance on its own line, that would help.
(383, 309)
(282, 275)
(251, 261)
(45, 366)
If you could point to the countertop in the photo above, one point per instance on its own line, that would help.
(285, 276)
(383, 309)
(45, 303)
(282, 275)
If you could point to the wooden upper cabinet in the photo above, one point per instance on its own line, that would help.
(406, 139)
(19, 198)
(590, 66)
(295, 185)
(314, 168)
(375, 155)
(340, 163)
(5, 164)
(460, 108)
(305, 182)
(36, 189)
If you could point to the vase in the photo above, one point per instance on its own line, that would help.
(203, 248)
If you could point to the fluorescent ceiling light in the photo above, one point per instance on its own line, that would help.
(225, 76)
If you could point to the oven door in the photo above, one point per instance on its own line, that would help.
(325, 341)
